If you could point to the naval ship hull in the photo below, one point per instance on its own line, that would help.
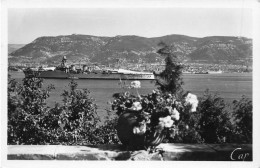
(57, 74)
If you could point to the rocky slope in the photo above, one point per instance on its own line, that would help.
(86, 48)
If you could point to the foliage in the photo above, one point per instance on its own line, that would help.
(107, 132)
(158, 112)
(188, 129)
(26, 111)
(242, 113)
(76, 118)
(76, 121)
(215, 123)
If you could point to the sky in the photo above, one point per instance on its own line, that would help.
(26, 24)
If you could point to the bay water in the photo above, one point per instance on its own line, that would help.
(230, 86)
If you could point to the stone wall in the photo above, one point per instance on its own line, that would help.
(185, 152)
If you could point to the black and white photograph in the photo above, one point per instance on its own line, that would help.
(147, 82)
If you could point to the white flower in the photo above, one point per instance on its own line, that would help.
(136, 130)
(169, 123)
(192, 100)
(135, 84)
(139, 130)
(166, 121)
(136, 106)
(175, 114)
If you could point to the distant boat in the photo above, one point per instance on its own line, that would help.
(65, 72)
(201, 72)
(215, 72)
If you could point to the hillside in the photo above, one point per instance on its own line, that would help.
(86, 48)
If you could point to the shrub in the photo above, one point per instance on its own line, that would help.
(75, 121)
(188, 129)
(26, 111)
(107, 131)
(77, 116)
(215, 122)
(242, 113)
(78, 122)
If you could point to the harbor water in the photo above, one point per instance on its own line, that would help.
(230, 86)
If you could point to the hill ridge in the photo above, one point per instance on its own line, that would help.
(133, 49)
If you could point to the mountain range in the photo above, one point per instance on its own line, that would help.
(132, 49)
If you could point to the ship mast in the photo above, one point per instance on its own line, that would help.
(63, 61)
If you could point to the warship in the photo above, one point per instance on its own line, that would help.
(63, 71)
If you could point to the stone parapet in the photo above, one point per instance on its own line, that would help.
(167, 151)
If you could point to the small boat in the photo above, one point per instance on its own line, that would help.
(215, 72)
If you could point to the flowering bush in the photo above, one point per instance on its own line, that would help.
(157, 112)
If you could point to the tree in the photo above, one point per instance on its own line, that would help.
(170, 79)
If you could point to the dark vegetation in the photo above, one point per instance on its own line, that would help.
(75, 121)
